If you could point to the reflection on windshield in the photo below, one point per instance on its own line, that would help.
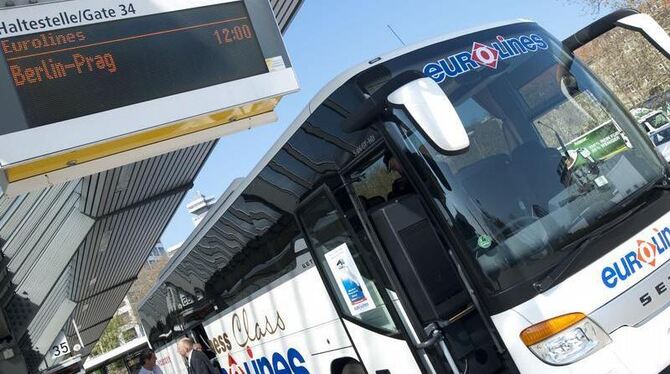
(550, 154)
(660, 137)
(658, 120)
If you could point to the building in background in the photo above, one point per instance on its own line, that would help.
(616, 57)
(157, 253)
(130, 323)
(200, 206)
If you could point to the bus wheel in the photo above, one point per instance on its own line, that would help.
(353, 368)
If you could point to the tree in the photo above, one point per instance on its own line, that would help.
(656, 90)
(625, 61)
(145, 281)
(597, 6)
(110, 337)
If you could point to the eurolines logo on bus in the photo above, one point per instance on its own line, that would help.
(290, 363)
(483, 55)
(643, 256)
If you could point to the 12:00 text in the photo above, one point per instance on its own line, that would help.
(232, 34)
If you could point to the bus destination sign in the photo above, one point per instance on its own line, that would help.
(77, 71)
(86, 86)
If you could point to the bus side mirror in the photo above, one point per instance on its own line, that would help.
(427, 104)
(628, 19)
(650, 29)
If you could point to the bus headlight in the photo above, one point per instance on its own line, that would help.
(564, 339)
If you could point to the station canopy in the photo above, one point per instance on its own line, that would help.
(70, 252)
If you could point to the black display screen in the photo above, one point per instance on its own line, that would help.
(69, 73)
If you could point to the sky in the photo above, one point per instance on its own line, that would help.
(329, 36)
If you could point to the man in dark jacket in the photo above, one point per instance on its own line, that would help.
(196, 361)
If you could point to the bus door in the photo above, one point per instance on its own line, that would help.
(438, 302)
(356, 286)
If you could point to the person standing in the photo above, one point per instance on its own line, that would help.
(196, 361)
(148, 362)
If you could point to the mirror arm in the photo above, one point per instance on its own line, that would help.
(597, 28)
(373, 105)
(650, 29)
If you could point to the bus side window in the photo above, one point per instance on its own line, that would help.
(350, 279)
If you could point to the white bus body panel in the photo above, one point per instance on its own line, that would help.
(641, 349)
(295, 322)
(380, 352)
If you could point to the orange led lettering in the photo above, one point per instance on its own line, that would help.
(17, 75)
(79, 61)
(48, 69)
(30, 75)
(5, 47)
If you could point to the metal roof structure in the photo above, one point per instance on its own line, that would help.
(70, 253)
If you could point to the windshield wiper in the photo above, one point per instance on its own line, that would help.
(566, 262)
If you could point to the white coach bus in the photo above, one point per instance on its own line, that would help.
(455, 207)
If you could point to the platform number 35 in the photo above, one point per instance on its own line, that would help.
(61, 349)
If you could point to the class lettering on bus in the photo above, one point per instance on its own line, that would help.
(536, 245)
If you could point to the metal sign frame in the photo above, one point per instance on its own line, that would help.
(46, 155)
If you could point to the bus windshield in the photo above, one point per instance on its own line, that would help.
(552, 153)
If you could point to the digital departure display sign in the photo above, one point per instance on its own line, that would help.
(72, 72)
(90, 85)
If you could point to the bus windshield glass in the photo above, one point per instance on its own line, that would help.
(553, 155)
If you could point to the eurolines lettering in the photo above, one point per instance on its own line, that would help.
(644, 256)
(292, 362)
(483, 55)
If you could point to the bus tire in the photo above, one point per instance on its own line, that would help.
(353, 368)
(346, 365)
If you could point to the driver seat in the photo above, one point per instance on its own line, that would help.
(496, 189)
(538, 166)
